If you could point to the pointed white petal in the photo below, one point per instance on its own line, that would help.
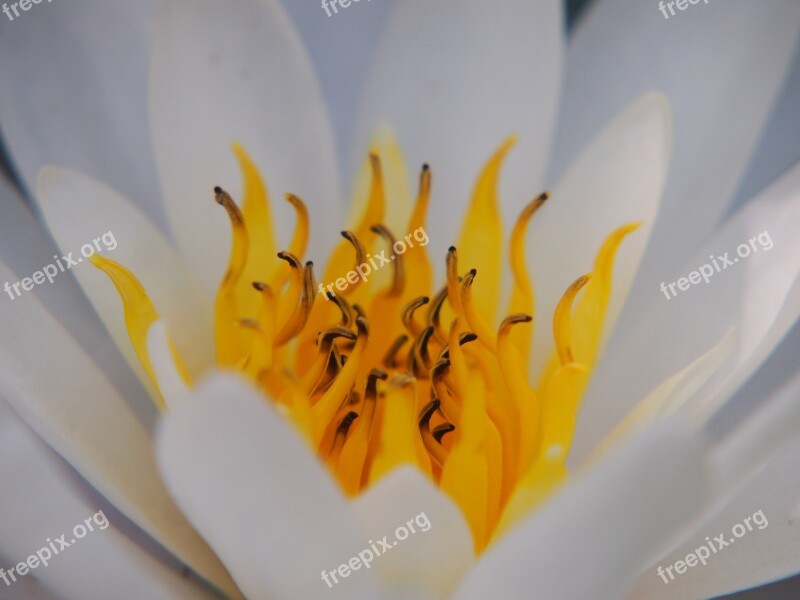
(43, 499)
(63, 396)
(617, 179)
(429, 561)
(26, 247)
(625, 47)
(259, 496)
(756, 294)
(73, 93)
(159, 348)
(219, 76)
(767, 553)
(594, 535)
(454, 81)
(81, 212)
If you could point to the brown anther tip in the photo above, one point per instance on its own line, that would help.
(260, 286)
(379, 374)
(451, 249)
(375, 229)
(467, 337)
(344, 233)
(426, 167)
(330, 295)
(217, 189)
(441, 430)
(362, 324)
(473, 272)
(309, 263)
(425, 300)
(544, 196)
(347, 421)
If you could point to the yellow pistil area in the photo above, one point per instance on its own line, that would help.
(394, 371)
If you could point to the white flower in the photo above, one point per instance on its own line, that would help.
(452, 80)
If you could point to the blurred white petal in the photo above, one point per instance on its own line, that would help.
(722, 90)
(75, 94)
(757, 295)
(63, 396)
(617, 179)
(47, 500)
(427, 562)
(79, 210)
(259, 496)
(592, 537)
(453, 80)
(223, 75)
(761, 555)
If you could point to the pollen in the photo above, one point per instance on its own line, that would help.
(396, 370)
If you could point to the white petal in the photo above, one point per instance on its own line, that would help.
(159, 348)
(258, 495)
(590, 539)
(26, 247)
(221, 75)
(625, 47)
(757, 295)
(617, 179)
(428, 562)
(42, 499)
(759, 556)
(453, 82)
(73, 93)
(81, 211)
(62, 395)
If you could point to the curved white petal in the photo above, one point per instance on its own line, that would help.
(758, 295)
(73, 92)
(26, 247)
(222, 75)
(436, 555)
(765, 554)
(67, 400)
(594, 535)
(259, 496)
(80, 211)
(617, 179)
(721, 65)
(162, 357)
(42, 499)
(454, 80)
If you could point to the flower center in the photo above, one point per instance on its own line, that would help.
(387, 370)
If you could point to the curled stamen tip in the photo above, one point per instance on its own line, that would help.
(379, 374)
(347, 421)
(467, 337)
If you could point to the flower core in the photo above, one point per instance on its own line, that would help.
(392, 370)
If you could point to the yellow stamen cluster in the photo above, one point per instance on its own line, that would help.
(395, 373)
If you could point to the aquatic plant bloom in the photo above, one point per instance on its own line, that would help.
(296, 429)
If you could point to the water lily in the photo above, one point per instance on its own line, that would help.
(295, 428)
